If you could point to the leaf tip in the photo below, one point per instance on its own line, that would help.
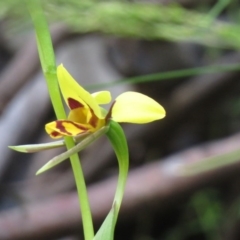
(41, 170)
(18, 149)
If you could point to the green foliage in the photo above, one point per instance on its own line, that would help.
(47, 58)
(117, 138)
(106, 231)
(138, 20)
(168, 75)
(75, 149)
(203, 214)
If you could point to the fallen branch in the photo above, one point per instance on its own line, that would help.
(162, 181)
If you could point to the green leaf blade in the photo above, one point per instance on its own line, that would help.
(118, 141)
(77, 148)
(106, 231)
(31, 148)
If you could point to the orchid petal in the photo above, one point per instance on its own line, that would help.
(60, 128)
(102, 97)
(79, 115)
(135, 107)
(72, 90)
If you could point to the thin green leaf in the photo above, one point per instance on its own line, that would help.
(31, 148)
(106, 231)
(154, 77)
(211, 163)
(80, 146)
(119, 144)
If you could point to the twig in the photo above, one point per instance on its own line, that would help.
(161, 180)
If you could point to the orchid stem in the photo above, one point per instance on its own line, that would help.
(47, 58)
(83, 196)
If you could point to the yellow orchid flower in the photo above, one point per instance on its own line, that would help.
(87, 116)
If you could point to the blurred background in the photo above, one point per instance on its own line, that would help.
(184, 170)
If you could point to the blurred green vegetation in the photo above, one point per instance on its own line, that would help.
(135, 20)
(203, 213)
(139, 20)
(207, 212)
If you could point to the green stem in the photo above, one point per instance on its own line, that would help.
(47, 59)
(82, 195)
(216, 10)
(154, 77)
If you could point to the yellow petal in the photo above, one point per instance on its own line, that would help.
(79, 115)
(72, 90)
(102, 97)
(62, 128)
(135, 107)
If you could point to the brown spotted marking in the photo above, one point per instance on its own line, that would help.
(73, 104)
(55, 134)
(62, 129)
(93, 120)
